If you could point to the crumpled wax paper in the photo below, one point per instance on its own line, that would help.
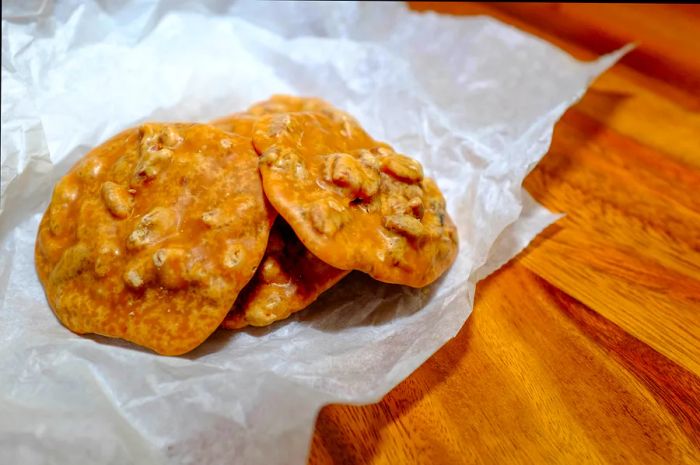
(474, 100)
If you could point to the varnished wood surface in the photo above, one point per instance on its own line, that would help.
(586, 347)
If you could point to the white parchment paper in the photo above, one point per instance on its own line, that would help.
(474, 100)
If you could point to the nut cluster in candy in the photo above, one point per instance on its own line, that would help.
(167, 232)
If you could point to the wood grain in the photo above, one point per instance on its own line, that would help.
(533, 376)
(586, 347)
(667, 36)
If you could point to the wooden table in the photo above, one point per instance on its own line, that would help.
(586, 347)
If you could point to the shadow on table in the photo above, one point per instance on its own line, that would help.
(332, 441)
